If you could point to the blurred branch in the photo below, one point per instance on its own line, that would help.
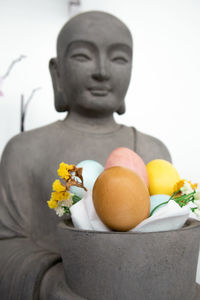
(74, 2)
(30, 98)
(22, 114)
(73, 7)
(24, 107)
(12, 65)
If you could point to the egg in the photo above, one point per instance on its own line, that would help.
(157, 200)
(127, 158)
(91, 170)
(162, 177)
(121, 198)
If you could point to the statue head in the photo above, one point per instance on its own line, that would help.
(92, 70)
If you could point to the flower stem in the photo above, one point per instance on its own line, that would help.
(163, 203)
(157, 207)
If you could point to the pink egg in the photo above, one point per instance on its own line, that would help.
(127, 158)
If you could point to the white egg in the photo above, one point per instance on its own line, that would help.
(91, 170)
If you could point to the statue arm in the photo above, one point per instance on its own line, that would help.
(23, 266)
(54, 287)
(22, 263)
(27, 270)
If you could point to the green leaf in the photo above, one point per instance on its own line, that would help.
(75, 199)
(67, 210)
(193, 209)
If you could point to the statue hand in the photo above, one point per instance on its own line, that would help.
(54, 286)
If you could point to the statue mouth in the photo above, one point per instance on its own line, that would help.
(99, 91)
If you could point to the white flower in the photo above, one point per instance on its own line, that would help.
(60, 211)
(197, 202)
(197, 195)
(197, 213)
(192, 204)
(186, 189)
(68, 202)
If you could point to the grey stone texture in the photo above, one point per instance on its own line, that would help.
(90, 78)
(113, 265)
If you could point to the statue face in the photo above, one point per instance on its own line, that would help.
(95, 67)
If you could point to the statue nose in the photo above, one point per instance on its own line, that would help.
(101, 72)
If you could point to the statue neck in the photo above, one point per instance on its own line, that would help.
(102, 124)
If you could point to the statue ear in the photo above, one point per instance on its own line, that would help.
(121, 110)
(59, 100)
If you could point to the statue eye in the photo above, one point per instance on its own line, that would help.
(119, 60)
(82, 57)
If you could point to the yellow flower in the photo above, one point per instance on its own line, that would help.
(179, 185)
(59, 196)
(66, 195)
(193, 186)
(52, 203)
(58, 186)
(71, 167)
(183, 182)
(64, 169)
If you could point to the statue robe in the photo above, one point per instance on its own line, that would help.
(28, 244)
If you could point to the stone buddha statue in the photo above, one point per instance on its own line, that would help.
(90, 78)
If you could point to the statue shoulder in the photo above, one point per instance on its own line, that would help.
(25, 144)
(149, 147)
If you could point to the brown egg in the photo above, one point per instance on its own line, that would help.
(121, 198)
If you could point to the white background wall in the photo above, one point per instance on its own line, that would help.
(164, 94)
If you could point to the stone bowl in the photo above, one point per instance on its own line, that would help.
(131, 266)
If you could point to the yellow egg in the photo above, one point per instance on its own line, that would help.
(162, 177)
(121, 198)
